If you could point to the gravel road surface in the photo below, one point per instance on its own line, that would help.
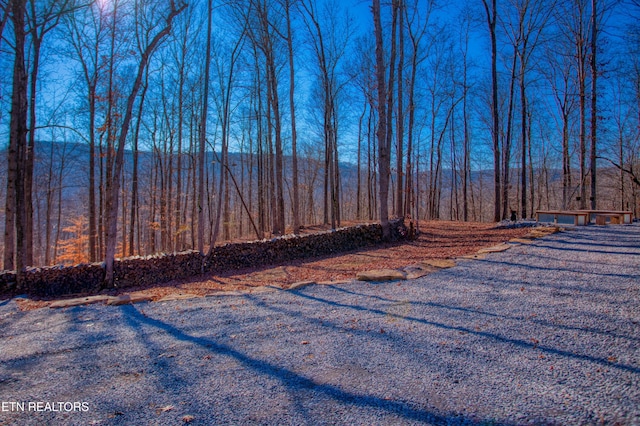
(546, 333)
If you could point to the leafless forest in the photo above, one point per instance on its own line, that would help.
(133, 127)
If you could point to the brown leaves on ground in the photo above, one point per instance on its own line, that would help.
(437, 240)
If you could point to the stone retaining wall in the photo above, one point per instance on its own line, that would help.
(133, 271)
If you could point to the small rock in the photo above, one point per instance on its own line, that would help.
(439, 263)
(495, 249)
(542, 232)
(416, 271)
(381, 275)
(300, 284)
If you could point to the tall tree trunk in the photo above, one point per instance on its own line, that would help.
(30, 151)
(359, 165)
(466, 173)
(87, 58)
(49, 208)
(381, 132)
(523, 136)
(392, 71)
(371, 164)
(566, 161)
(224, 160)
(336, 167)
(15, 199)
(400, 117)
(506, 154)
(295, 209)
(179, 237)
(532, 186)
(491, 21)
(93, 230)
(594, 101)
(203, 130)
(279, 222)
(134, 172)
(580, 55)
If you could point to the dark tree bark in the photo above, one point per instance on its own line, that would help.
(203, 131)
(506, 149)
(384, 159)
(400, 116)
(580, 44)
(492, 13)
(594, 101)
(390, 83)
(15, 213)
(295, 208)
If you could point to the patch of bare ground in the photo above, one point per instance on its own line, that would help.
(437, 240)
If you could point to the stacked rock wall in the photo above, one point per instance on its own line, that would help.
(135, 271)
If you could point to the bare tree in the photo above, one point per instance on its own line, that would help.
(42, 19)
(86, 32)
(295, 208)
(15, 214)
(113, 186)
(399, 208)
(525, 31)
(492, 16)
(594, 100)
(561, 87)
(578, 33)
(466, 162)
(202, 136)
(417, 28)
(384, 158)
(226, 88)
(34, 21)
(329, 40)
(263, 31)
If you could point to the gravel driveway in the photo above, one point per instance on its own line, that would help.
(546, 333)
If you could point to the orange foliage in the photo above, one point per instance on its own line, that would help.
(75, 249)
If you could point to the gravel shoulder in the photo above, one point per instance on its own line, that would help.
(543, 333)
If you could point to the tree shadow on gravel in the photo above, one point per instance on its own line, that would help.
(596, 240)
(583, 247)
(618, 257)
(541, 322)
(492, 336)
(571, 271)
(297, 382)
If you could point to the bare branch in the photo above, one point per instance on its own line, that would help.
(630, 172)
